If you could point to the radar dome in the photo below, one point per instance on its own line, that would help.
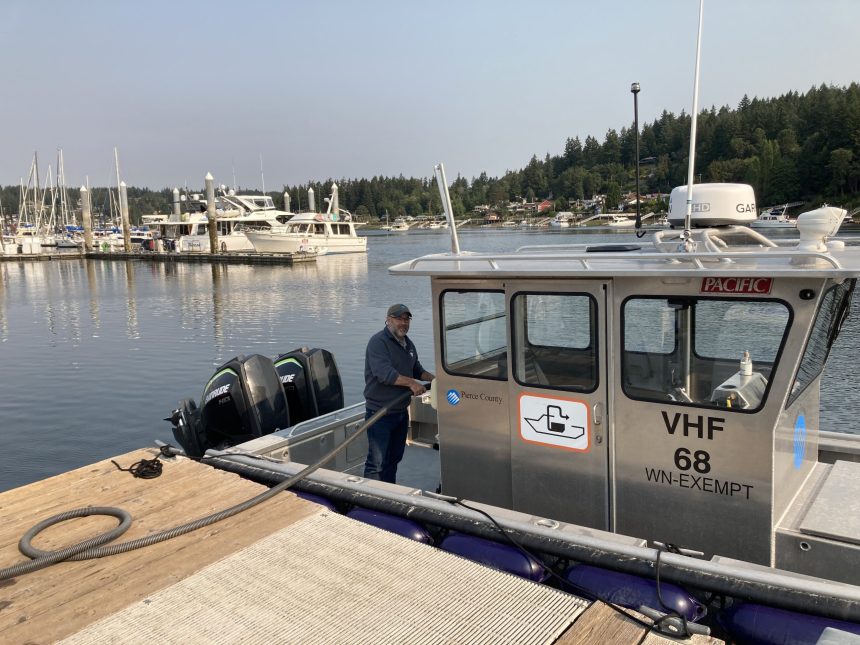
(714, 205)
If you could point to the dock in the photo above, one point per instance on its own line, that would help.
(231, 257)
(287, 570)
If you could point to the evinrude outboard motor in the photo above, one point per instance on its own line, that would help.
(242, 401)
(311, 383)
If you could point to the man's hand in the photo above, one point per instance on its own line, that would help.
(417, 388)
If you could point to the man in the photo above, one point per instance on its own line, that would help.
(391, 367)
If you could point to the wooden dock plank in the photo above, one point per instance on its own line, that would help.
(656, 639)
(53, 603)
(601, 624)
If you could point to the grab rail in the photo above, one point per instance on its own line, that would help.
(696, 259)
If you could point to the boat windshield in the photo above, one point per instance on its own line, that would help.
(707, 352)
(828, 323)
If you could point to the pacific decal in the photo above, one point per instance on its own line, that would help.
(756, 286)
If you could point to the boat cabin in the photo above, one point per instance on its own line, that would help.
(668, 390)
(318, 224)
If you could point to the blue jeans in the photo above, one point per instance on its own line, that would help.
(386, 441)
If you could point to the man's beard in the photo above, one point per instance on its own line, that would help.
(398, 332)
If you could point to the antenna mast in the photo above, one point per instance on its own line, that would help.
(688, 243)
(442, 182)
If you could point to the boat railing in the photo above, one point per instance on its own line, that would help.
(587, 259)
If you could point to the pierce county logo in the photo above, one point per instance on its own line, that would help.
(453, 397)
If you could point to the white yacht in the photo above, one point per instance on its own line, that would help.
(112, 240)
(620, 221)
(774, 217)
(234, 214)
(561, 220)
(309, 233)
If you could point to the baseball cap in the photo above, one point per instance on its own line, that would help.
(399, 310)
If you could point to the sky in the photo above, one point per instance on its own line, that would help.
(339, 89)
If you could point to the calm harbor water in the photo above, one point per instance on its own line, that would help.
(94, 354)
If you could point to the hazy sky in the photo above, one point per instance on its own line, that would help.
(363, 88)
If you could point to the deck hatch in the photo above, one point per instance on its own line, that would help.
(835, 513)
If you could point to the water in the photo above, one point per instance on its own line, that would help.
(94, 354)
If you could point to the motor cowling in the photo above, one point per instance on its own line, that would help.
(243, 400)
(311, 383)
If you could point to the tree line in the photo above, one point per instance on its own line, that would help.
(795, 147)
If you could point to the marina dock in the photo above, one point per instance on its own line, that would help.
(287, 570)
(198, 258)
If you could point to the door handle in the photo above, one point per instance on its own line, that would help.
(597, 413)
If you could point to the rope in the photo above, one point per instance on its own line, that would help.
(143, 469)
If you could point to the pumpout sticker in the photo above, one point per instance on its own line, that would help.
(556, 422)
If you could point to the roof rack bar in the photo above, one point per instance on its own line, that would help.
(696, 258)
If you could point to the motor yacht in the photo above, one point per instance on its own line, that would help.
(320, 233)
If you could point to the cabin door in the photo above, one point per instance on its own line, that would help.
(558, 399)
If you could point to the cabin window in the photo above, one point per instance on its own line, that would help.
(474, 334)
(555, 340)
(702, 351)
(828, 322)
(319, 229)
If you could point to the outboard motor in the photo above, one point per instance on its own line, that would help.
(311, 383)
(242, 401)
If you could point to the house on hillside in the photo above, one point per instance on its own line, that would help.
(544, 206)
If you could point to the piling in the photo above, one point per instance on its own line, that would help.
(177, 213)
(210, 212)
(287, 201)
(123, 209)
(335, 202)
(312, 203)
(87, 217)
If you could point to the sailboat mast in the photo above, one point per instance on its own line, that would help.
(115, 202)
(64, 196)
(36, 200)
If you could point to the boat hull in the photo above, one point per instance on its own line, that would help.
(265, 242)
(200, 243)
(772, 224)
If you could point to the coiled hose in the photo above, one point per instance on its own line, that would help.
(90, 549)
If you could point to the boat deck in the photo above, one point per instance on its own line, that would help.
(287, 570)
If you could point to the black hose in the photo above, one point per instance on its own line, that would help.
(91, 549)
